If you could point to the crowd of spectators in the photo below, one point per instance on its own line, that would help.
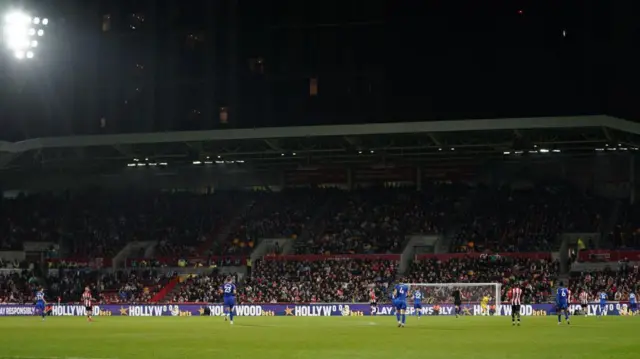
(535, 276)
(378, 220)
(531, 219)
(98, 223)
(17, 286)
(616, 282)
(194, 262)
(131, 287)
(275, 281)
(626, 233)
(187, 221)
(200, 288)
(318, 281)
(67, 285)
(273, 215)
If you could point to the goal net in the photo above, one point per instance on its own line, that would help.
(438, 298)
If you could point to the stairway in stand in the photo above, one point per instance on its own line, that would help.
(223, 229)
(168, 289)
(171, 289)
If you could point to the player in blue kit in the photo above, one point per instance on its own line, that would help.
(400, 302)
(633, 303)
(562, 303)
(41, 303)
(603, 303)
(229, 298)
(417, 302)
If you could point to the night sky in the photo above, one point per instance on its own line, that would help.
(168, 65)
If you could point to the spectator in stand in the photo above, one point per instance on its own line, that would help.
(137, 286)
(626, 233)
(506, 220)
(323, 281)
(98, 224)
(273, 215)
(201, 289)
(17, 287)
(298, 281)
(616, 283)
(378, 220)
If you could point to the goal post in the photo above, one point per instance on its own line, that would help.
(472, 294)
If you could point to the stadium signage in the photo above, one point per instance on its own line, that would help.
(68, 310)
(601, 255)
(294, 310)
(449, 256)
(241, 310)
(332, 257)
(10, 310)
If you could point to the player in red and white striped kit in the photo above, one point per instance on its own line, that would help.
(87, 300)
(373, 301)
(515, 297)
(584, 301)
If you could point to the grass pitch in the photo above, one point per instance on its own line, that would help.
(317, 337)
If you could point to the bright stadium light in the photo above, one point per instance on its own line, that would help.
(20, 31)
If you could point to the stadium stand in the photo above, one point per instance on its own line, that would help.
(198, 289)
(360, 222)
(626, 233)
(99, 224)
(536, 276)
(377, 220)
(272, 215)
(618, 279)
(298, 281)
(318, 281)
(137, 286)
(508, 220)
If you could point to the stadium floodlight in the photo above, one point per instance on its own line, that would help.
(19, 30)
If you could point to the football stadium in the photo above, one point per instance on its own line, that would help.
(314, 264)
(319, 179)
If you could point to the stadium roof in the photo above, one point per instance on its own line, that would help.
(295, 146)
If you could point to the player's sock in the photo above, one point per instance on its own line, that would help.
(231, 316)
(559, 318)
(404, 316)
(398, 316)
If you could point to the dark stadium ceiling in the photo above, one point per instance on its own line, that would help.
(433, 143)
